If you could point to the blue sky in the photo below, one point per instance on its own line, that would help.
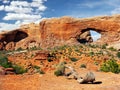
(13, 13)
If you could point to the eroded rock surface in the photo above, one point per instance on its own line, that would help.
(59, 31)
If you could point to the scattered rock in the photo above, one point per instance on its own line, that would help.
(10, 46)
(90, 77)
(2, 70)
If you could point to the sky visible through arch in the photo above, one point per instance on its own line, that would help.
(13, 13)
(95, 35)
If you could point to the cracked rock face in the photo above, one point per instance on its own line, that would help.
(59, 31)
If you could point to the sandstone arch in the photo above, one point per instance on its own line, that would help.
(65, 30)
(86, 36)
(20, 35)
(9, 39)
(14, 36)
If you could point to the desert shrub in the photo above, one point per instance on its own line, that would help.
(82, 66)
(19, 49)
(96, 63)
(100, 52)
(36, 67)
(112, 49)
(64, 62)
(104, 46)
(4, 61)
(33, 48)
(60, 69)
(80, 46)
(73, 59)
(118, 54)
(49, 59)
(61, 47)
(58, 73)
(110, 66)
(93, 45)
(41, 72)
(18, 69)
(91, 53)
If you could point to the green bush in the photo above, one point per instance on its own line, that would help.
(110, 66)
(60, 69)
(18, 69)
(82, 66)
(96, 63)
(58, 73)
(118, 54)
(36, 67)
(19, 49)
(93, 45)
(41, 72)
(91, 53)
(73, 59)
(4, 61)
(112, 49)
(49, 59)
(104, 46)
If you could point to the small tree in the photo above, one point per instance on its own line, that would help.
(60, 69)
(73, 59)
(110, 66)
(18, 69)
(4, 62)
(91, 53)
(118, 54)
(82, 66)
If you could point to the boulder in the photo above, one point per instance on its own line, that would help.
(1, 46)
(10, 46)
(2, 70)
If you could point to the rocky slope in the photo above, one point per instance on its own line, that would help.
(65, 30)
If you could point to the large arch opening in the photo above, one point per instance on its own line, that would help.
(20, 35)
(88, 35)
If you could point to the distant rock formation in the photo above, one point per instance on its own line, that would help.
(59, 31)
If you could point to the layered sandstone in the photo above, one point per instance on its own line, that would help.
(59, 31)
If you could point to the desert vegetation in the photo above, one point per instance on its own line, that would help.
(99, 55)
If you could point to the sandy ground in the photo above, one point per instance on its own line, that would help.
(48, 81)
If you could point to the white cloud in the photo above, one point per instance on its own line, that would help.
(1, 7)
(19, 3)
(17, 9)
(7, 26)
(6, 1)
(116, 11)
(39, 1)
(90, 4)
(18, 22)
(16, 16)
(22, 11)
(35, 4)
(42, 8)
(39, 5)
(39, 20)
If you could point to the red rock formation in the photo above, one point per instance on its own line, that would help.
(10, 46)
(1, 46)
(2, 70)
(65, 30)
